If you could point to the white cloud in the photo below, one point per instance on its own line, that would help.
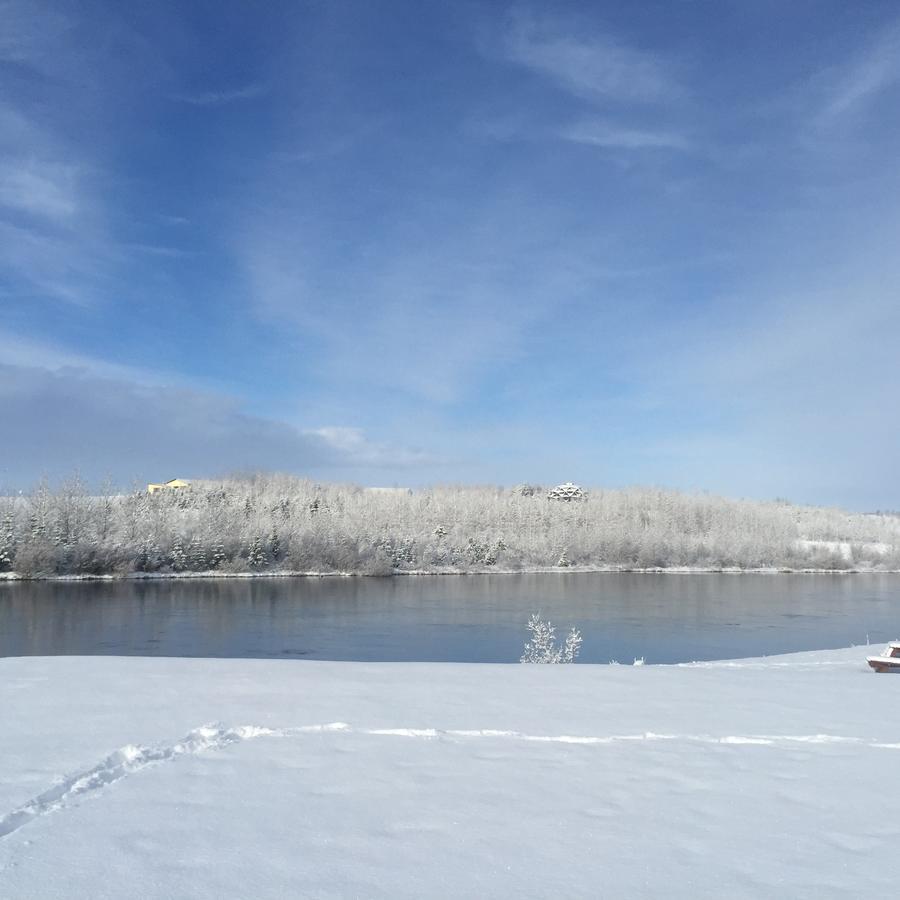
(601, 133)
(352, 444)
(595, 66)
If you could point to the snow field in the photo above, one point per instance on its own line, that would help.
(761, 778)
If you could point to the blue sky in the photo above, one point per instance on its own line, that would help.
(412, 242)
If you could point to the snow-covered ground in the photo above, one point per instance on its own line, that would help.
(176, 778)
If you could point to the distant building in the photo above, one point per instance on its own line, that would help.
(176, 484)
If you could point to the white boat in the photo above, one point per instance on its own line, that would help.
(889, 661)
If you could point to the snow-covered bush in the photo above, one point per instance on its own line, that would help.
(541, 647)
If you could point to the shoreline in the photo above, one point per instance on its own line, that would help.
(13, 577)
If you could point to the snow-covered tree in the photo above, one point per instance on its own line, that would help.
(218, 555)
(541, 647)
(197, 555)
(7, 544)
(256, 554)
(149, 557)
(275, 545)
(572, 646)
(178, 557)
(70, 530)
(566, 492)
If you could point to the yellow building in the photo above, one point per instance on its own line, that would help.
(175, 484)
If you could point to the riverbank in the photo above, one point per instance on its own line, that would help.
(743, 778)
(535, 570)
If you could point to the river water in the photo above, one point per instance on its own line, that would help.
(474, 618)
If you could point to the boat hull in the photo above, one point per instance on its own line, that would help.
(884, 663)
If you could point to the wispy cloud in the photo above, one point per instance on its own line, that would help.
(601, 133)
(46, 190)
(352, 445)
(19, 350)
(618, 86)
(596, 66)
(427, 316)
(53, 239)
(875, 69)
(221, 98)
(71, 267)
(62, 203)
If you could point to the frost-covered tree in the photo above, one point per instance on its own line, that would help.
(347, 527)
(7, 544)
(197, 555)
(541, 647)
(572, 646)
(275, 545)
(217, 557)
(149, 557)
(566, 492)
(179, 558)
(256, 554)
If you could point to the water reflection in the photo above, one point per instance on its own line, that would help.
(665, 618)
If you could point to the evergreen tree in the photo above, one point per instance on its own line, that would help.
(256, 554)
(218, 556)
(59, 535)
(7, 544)
(197, 555)
(179, 557)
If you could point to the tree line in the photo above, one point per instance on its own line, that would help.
(270, 523)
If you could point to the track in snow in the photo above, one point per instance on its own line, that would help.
(131, 758)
